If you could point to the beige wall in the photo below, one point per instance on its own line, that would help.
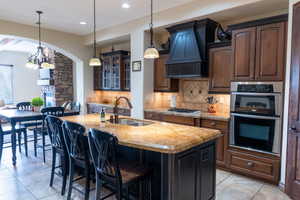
(24, 79)
(68, 44)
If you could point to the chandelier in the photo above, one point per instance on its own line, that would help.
(39, 59)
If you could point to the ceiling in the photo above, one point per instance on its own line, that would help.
(65, 15)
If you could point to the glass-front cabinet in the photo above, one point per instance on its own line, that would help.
(114, 74)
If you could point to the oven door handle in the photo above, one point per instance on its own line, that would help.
(254, 116)
(255, 94)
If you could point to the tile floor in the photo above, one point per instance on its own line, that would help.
(29, 180)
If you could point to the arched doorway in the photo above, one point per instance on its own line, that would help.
(78, 65)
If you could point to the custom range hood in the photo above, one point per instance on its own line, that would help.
(188, 48)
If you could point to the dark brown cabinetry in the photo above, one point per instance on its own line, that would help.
(220, 69)
(254, 164)
(259, 52)
(222, 142)
(243, 44)
(270, 48)
(114, 74)
(190, 121)
(161, 82)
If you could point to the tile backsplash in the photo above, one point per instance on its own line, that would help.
(192, 95)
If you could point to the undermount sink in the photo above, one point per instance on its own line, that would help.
(133, 122)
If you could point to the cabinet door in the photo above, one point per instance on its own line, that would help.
(222, 142)
(161, 82)
(270, 52)
(243, 43)
(220, 69)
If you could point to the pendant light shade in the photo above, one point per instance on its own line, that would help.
(39, 59)
(151, 52)
(95, 61)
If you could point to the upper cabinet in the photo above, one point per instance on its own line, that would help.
(114, 74)
(243, 43)
(220, 69)
(161, 82)
(259, 51)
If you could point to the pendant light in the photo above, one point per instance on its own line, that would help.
(39, 59)
(151, 52)
(95, 61)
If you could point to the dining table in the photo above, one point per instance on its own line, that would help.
(14, 116)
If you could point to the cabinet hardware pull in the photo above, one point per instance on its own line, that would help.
(250, 164)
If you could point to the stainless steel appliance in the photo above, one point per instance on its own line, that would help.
(256, 115)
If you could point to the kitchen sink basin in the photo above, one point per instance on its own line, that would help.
(133, 122)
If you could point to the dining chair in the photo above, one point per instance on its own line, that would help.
(26, 106)
(54, 125)
(110, 171)
(6, 130)
(42, 130)
(78, 151)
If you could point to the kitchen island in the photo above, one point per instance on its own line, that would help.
(183, 157)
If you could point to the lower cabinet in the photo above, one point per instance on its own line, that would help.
(222, 142)
(193, 173)
(190, 121)
(254, 164)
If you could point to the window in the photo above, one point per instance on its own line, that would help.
(6, 83)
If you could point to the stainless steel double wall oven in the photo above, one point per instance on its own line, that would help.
(256, 115)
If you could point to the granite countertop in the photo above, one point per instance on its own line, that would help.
(199, 114)
(159, 136)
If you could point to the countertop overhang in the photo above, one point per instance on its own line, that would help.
(159, 136)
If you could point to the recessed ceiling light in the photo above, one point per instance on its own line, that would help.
(125, 5)
(83, 23)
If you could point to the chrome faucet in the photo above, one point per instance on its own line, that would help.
(116, 108)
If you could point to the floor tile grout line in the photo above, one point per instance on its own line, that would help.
(224, 179)
(258, 191)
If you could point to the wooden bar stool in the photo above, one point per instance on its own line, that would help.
(78, 151)
(110, 173)
(54, 125)
(42, 130)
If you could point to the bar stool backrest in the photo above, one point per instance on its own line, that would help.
(24, 106)
(103, 149)
(76, 141)
(54, 126)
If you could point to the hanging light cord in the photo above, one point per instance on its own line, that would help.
(94, 28)
(151, 25)
(39, 24)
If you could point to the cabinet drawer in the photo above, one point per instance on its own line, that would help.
(254, 165)
(179, 120)
(220, 125)
(152, 116)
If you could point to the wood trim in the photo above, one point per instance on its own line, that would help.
(259, 22)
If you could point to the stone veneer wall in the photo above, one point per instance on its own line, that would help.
(62, 90)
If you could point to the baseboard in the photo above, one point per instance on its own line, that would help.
(281, 186)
